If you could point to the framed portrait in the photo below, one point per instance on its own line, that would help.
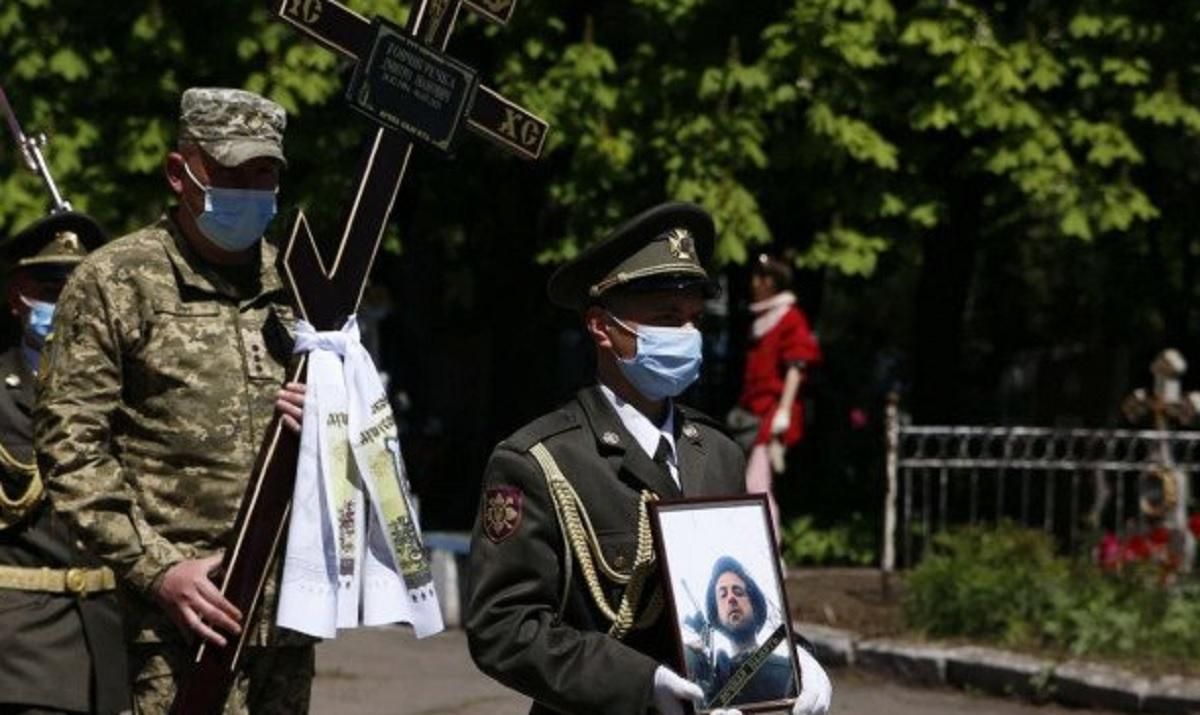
(726, 594)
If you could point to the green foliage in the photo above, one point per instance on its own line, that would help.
(843, 128)
(1127, 614)
(803, 543)
(984, 583)
(1007, 584)
(106, 91)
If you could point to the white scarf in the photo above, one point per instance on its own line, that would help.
(770, 311)
(347, 565)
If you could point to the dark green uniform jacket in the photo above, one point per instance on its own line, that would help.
(570, 664)
(57, 651)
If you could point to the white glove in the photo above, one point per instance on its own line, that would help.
(816, 690)
(781, 421)
(670, 689)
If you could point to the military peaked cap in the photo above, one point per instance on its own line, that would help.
(58, 239)
(664, 247)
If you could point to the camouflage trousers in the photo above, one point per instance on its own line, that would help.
(269, 681)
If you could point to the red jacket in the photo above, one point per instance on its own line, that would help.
(767, 362)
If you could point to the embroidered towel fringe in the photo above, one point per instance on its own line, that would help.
(354, 553)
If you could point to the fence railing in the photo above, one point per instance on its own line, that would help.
(1071, 482)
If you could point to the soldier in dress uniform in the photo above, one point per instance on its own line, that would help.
(61, 642)
(565, 604)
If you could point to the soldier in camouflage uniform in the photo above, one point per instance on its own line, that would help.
(565, 604)
(62, 649)
(172, 344)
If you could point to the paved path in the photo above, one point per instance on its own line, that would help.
(387, 672)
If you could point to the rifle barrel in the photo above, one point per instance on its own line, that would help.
(14, 127)
(31, 151)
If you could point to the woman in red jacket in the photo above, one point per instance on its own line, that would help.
(781, 348)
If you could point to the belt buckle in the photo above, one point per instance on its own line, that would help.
(76, 581)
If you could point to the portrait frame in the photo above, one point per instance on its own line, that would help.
(741, 658)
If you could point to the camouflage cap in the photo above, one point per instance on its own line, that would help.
(61, 239)
(232, 126)
(664, 247)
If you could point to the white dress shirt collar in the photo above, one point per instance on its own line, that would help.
(645, 432)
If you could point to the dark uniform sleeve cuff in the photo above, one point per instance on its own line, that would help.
(649, 666)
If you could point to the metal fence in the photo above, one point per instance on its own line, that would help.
(1074, 483)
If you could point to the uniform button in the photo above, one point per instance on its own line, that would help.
(610, 438)
(620, 561)
(690, 431)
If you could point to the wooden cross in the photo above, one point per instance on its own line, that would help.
(407, 85)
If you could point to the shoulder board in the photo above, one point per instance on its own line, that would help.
(542, 429)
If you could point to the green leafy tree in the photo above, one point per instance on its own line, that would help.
(941, 128)
(967, 180)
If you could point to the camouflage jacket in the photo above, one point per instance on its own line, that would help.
(159, 384)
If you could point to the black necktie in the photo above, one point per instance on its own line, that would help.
(662, 456)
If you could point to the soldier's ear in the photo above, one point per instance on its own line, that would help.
(595, 321)
(173, 169)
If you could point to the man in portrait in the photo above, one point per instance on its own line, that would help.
(736, 607)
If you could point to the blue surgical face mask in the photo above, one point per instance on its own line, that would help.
(667, 360)
(41, 317)
(233, 219)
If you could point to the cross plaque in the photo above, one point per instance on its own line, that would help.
(405, 83)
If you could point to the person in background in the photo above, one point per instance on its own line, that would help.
(769, 416)
(62, 646)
